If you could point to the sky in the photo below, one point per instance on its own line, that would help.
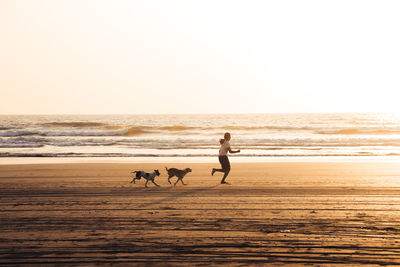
(171, 57)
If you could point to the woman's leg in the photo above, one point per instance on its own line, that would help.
(226, 167)
(225, 175)
(221, 161)
(216, 170)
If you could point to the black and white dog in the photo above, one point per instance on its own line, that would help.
(145, 175)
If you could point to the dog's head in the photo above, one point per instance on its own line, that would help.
(188, 170)
(157, 172)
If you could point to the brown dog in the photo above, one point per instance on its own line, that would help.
(178, 173)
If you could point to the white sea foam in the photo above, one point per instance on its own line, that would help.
(257, 135)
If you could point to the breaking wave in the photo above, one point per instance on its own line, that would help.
(177, 128)
(267, 127)
(74, 124)
(362, 131)
(78, 128)
(18, 133)
(133, 131)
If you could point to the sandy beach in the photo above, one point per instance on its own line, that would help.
(272, 213)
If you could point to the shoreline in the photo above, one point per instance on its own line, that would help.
(179, 160)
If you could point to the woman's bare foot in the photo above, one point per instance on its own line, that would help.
(212, 172)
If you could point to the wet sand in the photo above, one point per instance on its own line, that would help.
(272, 213)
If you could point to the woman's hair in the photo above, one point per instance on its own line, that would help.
(221, 141)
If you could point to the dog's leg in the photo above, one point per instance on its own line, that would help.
(182, 181)
(154, 183)
(169, 177)
(177, 180)
(133, 176)
(145, 185)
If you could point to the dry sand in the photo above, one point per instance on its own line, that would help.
(272, 213)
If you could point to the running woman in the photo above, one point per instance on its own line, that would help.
(223, 157)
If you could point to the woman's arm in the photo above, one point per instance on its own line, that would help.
(233, 151)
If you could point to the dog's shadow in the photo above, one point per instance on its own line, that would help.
(186, 192)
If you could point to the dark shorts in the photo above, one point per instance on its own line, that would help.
(226, 166)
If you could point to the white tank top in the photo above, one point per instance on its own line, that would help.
(223, 151)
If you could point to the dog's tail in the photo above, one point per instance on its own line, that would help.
(166, 168)
(134, 172)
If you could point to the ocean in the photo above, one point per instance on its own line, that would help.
(186, 136)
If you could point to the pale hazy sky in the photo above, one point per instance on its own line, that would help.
(216, 56)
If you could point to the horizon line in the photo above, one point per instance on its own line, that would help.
(177, 114)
